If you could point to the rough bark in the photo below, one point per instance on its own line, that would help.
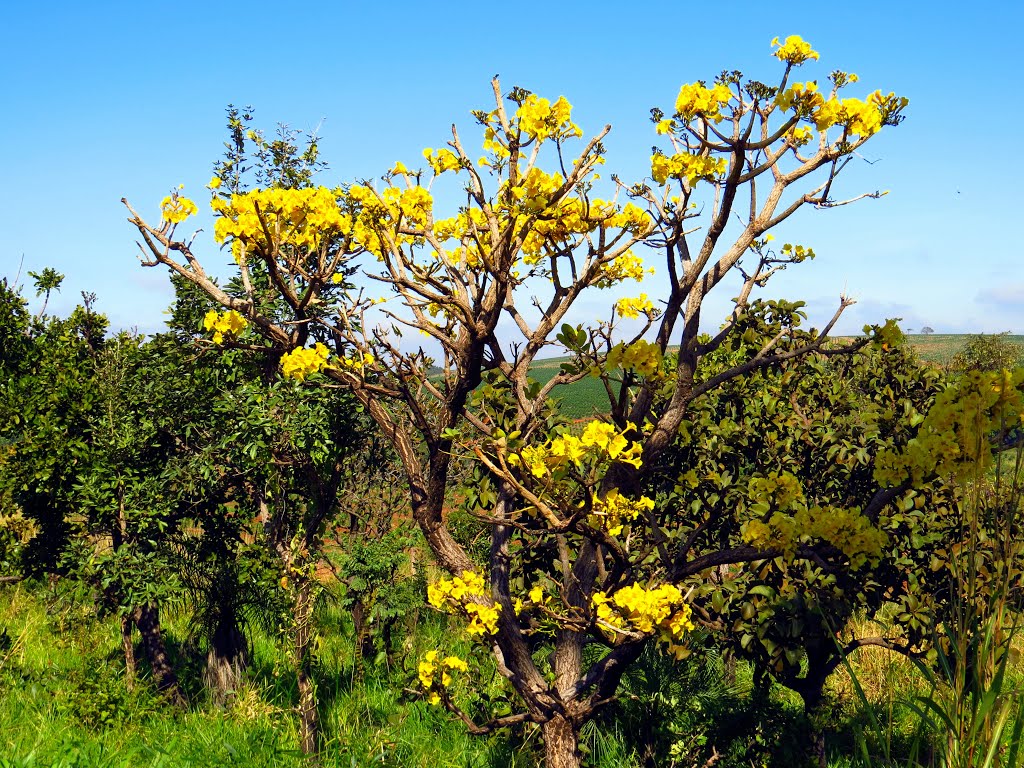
(147, 618)
(561, 743)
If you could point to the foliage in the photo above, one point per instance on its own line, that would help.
(987, 352)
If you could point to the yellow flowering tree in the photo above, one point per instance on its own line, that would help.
(577, 553)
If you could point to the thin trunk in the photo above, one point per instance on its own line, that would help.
(147, 618)
(561, 743)
(129, 652)
(364, 641)
(309, 719)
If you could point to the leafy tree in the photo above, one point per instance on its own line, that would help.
(987, 352)
(788, 454)
(578, 554)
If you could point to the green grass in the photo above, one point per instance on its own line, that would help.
(64, 703)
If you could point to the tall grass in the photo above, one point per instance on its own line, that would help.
(970, 713)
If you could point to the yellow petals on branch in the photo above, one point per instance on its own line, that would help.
(229, 323)
(627, 266)
(643, 357)
(465, 595)
(632, 308)
(614, 510)
(300, 218)
(442, 161)
(667, 125)
(175, 208)
(785, 521)
(794, 51)
(302, 361)
(430, 666)
(599, 443)
(695, 99)
(693, 168)
(636, 609)
(956, 435)
(540, 119)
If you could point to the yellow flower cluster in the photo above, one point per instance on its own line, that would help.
(696, 99)
(634, 608)
(431, 665)
(378, 213)
(442, 160)
(221, 323)
(627, 266)
(175, 208)
(600, 441)
(845, 529)
(534, 191)
(955, 435)
(614, 510)
(301, 218)
(632, 308)
(797, 253)
(302, 361)
(641, 356)
(357, 363)
(794, 522)
(804, 95)
(800, 135)
(466, 594)
(666, 125)
(693, 168)
(541, 119)
(794, 51)
(859, 118)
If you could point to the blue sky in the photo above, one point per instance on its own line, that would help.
(105, 100)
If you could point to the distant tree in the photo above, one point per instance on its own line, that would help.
(987, 352)
(927, 329)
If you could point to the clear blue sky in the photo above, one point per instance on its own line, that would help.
(104, 100)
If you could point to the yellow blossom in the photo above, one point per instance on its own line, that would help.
(302, 361)
(794, 51)
(631, 308)
(175, 208)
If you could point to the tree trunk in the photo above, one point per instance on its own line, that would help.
(364, 641)
(147, 618)
(226, 661)
(309, 720)
(129, 652)
(561, 743)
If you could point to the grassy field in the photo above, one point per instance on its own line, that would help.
(64, 704)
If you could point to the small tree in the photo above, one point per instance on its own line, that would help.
(987, 352)
(578, 555)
